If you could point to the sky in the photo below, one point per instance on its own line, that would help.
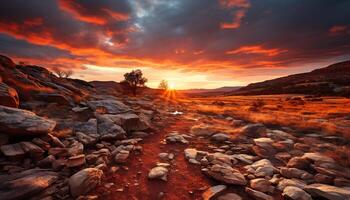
(190, 43)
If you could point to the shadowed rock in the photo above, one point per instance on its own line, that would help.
(8, 96)
(26, 184)
(15, 121)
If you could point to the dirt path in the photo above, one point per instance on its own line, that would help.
(185, 181)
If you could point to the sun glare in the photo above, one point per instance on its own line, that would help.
(171, 86)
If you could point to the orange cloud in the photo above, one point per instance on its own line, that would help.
(256, 49)
(71, 7)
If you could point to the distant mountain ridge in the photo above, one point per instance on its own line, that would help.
(331, 80)
(202, 90)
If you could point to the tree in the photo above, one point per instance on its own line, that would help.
(135, 79)
(163, 85)
(63, 74)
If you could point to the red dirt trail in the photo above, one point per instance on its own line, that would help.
(185, 181)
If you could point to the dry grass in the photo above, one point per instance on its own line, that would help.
(330, 116)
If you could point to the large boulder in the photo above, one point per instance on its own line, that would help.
(8, 96)
(84, 181)
(26, 184)
(22, 122)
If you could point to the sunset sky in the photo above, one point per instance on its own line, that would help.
(191, 43)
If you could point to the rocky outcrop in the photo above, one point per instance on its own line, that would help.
(15, 121)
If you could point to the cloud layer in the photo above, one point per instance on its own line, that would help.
(228, 39)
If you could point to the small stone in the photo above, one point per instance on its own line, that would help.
(159, 173)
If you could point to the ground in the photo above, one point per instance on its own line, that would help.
(327, 116)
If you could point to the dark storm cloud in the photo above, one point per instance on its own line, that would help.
(20, 48)
(197, 35)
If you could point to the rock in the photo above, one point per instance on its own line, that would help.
(164, 156)
(257, 195)
(261, 185)
(32, 150)
(41, 143)
(328, 191)
(290, 182)
(263, 168)
(253, 130)
(190, 153)
(283, 156)
(15, 121)
(202, 130)
(88, 128)
(221, 159)
(264, 152)
(220, 137)
(109, 106)
(26, 184)
(47, 162)
(131, 122)
(175, 137)
(212, 192)
(317, 157)
(229, 196)
(331, 169)
(86, 139)
(322, 178)
(280, 135)
(14, 151)
(294, 193)
(245, 158)
(57, 151)
(158, 172)
(84, 181)
(263, 142)
(55, 141)
(341, 182)
(108, 130)
(226, 174)
(79, 109)
(53, 98)
(121, 157)
(139, 134)
(298, 162)
(76, 161)
(295, 173)
(8, 96)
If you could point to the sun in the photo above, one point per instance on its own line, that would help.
(171, 86)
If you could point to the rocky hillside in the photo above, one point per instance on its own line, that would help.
(58, 136)
(331, 80)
